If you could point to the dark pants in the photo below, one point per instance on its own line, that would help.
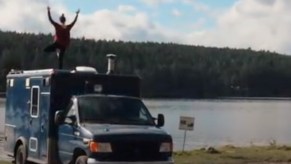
(53, 48)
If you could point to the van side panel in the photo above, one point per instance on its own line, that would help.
(17, 113)
(26, 116)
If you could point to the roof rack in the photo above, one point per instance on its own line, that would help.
(14, 71)
(42, 71)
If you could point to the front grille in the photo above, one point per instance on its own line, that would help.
(135, 151)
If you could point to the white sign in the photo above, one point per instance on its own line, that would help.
(186, 123)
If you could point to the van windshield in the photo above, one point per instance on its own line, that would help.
(113, 110)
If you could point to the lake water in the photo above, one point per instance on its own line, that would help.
(222, 122)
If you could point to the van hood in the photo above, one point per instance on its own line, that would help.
(109, 132)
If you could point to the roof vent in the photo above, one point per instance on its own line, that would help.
(111, 63)
(86, 69)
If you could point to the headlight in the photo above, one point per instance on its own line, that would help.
(100, 147)
(166, 147)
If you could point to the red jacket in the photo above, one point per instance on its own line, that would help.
(62, 35)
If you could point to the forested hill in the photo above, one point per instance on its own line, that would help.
(167, 70)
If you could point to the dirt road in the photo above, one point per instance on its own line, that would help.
(3, 157)
(2, 118)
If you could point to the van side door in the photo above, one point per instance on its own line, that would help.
(34, 122)
(67, 134)
(38, 121)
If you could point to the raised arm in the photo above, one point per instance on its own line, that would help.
(50, 17)
(75, 20)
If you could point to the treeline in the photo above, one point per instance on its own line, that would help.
(167, 69)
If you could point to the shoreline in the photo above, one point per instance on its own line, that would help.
(222, 99)
(3, 98)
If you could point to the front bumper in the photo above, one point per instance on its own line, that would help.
(93, 161)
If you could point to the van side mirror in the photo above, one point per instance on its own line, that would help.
(161, 120)
(59, 117)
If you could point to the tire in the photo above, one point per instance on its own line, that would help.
(81, 159)
(20, 156)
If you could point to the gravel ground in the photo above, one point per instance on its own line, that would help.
(3, 157)
(2, 116)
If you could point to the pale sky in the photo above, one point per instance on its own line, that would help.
(256, 24)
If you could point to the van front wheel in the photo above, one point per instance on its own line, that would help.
(20, 156)
(81, 159)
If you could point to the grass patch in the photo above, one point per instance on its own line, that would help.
(236, 155)
(232, 155)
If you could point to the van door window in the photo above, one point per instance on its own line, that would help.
(72, 113)
(72, 110)
(34, 107)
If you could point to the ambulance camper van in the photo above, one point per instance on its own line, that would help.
(80, 116)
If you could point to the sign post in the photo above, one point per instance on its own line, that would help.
(186, 123)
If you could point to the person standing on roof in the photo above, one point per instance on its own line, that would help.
(62, 36)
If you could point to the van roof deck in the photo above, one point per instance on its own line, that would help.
(51, 71)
